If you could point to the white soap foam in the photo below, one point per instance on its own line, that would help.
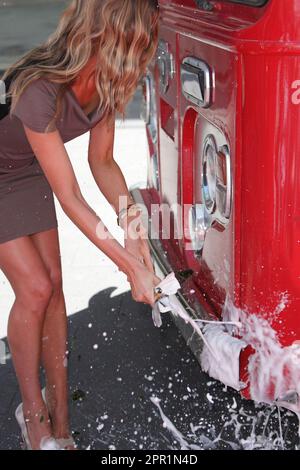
(266, 366)
(274, 370)
(224, 364)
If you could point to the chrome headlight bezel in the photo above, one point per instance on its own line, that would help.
(209, 174)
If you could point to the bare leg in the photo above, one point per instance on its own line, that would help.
(55, 335)
(23, 267)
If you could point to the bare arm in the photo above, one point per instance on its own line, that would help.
(112, 184)
(106, 171)
(53, 158)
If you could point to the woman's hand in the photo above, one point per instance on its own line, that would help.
(139, 248)
(142, 282)
(136, 240)
(142, 278)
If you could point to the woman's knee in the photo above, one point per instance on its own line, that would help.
(36, 294)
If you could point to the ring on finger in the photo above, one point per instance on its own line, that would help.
(157, 293)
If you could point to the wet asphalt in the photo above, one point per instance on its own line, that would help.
(121, 368)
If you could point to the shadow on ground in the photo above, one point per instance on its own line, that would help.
(118, 361)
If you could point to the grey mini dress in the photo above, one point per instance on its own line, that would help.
(26, 198)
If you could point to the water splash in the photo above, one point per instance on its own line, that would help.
(274, 370)
(167, 423)
(251, 432)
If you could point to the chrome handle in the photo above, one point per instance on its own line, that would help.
(163, 72)
(166, 65)
(196, 81)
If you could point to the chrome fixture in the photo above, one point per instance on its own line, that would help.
(148, 109)
(216, 180)
(166, 65)
(154, 171)
(199, 221)
(197, 81)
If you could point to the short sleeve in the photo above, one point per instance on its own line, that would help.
(36, 106)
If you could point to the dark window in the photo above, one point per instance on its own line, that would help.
(206, 5)
(253, 3)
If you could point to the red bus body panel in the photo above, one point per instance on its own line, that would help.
(254, 54)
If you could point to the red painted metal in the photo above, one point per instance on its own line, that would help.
(255, 56)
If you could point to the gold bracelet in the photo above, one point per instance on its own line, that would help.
(123, 212)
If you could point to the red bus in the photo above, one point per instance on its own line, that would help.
(222, 114)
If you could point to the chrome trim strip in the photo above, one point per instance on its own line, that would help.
(224, 150)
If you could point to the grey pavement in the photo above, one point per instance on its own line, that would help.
(112, 389)
(24, 24)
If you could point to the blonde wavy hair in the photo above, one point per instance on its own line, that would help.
(121, 34)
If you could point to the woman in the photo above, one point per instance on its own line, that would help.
(73, 83)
